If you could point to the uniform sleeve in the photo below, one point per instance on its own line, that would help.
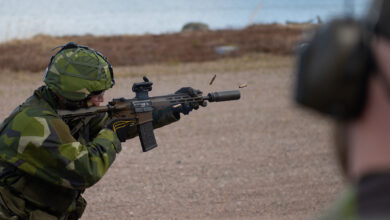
(44, 147)
(97, 123)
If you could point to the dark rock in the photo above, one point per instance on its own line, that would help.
(195, 26)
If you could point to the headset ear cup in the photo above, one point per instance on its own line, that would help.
(333, 69)
(359, 66)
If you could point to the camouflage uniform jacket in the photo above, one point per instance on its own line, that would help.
(36, 144)
(367, 199)
(345, 207)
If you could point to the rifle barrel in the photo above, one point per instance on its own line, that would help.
(223, 96)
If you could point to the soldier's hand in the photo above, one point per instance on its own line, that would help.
(188, 107)
(120, 126)
(189, 91)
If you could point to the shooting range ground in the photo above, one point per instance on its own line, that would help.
(257, 158)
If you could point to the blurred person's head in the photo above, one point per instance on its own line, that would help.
(344, 72)
(78, 76)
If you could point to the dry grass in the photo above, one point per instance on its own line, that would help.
(227, 65)
(33, 54)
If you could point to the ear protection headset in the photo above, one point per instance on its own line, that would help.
(334, 66)
(333, 69)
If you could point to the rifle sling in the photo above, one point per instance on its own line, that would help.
(83, 122)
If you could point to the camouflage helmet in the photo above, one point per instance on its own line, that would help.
(75, 72)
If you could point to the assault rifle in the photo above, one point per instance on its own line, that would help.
(141, 108)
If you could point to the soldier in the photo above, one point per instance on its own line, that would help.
(344, 72)
(44, 169)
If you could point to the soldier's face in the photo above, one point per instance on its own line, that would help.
(95, 100)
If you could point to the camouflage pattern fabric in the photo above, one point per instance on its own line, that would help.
(48, 160)
(345, 207)
(76, 73)
(38, 143)
(366, 199)
(15, 208)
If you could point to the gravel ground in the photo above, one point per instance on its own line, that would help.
(256, 158)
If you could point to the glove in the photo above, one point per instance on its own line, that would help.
(187, 107)
(121, 127)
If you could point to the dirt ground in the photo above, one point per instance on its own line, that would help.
(256, 158)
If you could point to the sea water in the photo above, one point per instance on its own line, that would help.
(26, 18)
